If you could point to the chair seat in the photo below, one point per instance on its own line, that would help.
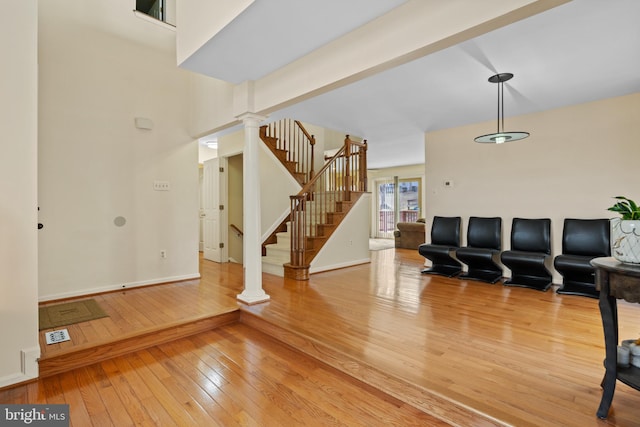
(441, 250)
(481, 262)
(522, 259)
(575, 263)
(442, 262)
(469, 254)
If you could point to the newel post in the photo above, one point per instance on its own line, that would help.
(347, 168)
(252, 245)
(363, 167)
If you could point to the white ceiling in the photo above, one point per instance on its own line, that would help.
(289, 29)
(581, 51)
(578, 52)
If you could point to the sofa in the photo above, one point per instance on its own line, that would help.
(409, 235)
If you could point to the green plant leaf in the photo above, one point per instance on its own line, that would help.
(627, 208)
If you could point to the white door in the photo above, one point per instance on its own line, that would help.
(211, 210)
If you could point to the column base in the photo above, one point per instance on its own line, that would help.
(251, 299)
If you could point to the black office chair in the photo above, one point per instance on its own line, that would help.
(484, 241)
(530, 249)
(445, 239)
(582, 240)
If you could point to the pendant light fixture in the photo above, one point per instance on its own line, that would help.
(501, 136)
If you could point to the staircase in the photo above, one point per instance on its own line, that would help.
(290, 142)
(323, 202)
(278, 253)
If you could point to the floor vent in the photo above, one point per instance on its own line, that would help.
(55, 337)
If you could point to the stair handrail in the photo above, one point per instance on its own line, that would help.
(342, 152)
(236, 230)
(333, 184)
(298, 144)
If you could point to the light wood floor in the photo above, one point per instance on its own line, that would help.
(230, 376)
(132, 311)
(500, 355)
(520, 356)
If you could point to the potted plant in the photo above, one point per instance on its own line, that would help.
(625, 231)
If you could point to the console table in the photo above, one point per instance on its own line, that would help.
(615, 280)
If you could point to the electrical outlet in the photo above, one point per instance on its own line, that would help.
(163, 254)
(161, 185)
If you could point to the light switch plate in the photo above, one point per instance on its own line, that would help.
(161, 185)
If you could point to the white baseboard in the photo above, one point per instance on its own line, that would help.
(13, 379)
(313, 269)
(28, 367)
(101, 289)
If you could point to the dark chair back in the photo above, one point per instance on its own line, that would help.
(484, 233)
(588, 237)
(446, 231)
(531, 235)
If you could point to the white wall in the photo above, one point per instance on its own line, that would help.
(576, 159)
(206, 153)
(18, 190)
(94, 165)
(211, 105)
(275, 204)
(349, 244)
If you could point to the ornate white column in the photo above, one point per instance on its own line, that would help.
(252, 249)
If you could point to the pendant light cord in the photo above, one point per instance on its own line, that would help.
(500, 114)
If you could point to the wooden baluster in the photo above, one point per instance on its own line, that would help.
(363, 167)
(347, 172)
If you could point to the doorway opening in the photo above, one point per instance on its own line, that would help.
(397, 200)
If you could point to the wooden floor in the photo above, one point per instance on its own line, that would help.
(150, 315)
(518, 356)
(466, 352)
(230, 376)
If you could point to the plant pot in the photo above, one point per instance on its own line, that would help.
(625, 240)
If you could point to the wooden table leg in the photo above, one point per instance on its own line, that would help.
(609, 313)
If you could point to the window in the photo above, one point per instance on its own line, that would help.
(153, 8)
(403, 205)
